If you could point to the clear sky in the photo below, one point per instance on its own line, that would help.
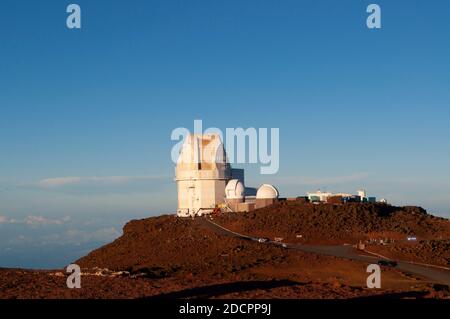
(356, 108)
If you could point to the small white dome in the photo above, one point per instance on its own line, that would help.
(267, 191)
(234, 189)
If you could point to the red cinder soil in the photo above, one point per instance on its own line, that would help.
(23, 284)
(435, 252)
(333, 223)
(170, 257)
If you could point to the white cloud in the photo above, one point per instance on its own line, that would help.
(39, 220)
(99, 235)
(35, 220)
(65, 237)
(57, 182)
(7, 220)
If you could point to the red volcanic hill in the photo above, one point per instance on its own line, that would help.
(165, 245)
(170, 257)
(334, 223)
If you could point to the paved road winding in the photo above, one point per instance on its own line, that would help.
(433, 275)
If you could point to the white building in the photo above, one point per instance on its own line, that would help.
(362, 193)
(206, 181)
(319, 196)
(202, 173)
(323, 197)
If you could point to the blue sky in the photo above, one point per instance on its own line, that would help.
(355, 107)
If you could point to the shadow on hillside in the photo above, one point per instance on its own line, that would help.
(223, 289)
(396, 295)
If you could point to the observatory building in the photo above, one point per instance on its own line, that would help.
(202, 173)
(206, 182)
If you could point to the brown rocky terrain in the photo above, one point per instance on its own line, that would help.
(337, 223)
(436, 252)
(24, 284)
(170, 257)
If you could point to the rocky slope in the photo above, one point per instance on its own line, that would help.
(170, 257)
(328, 223)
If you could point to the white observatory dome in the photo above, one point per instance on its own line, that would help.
(234, 189)
(267, 191)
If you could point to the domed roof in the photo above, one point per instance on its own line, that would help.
(207, 150)
(234, 189)
(267, 191)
